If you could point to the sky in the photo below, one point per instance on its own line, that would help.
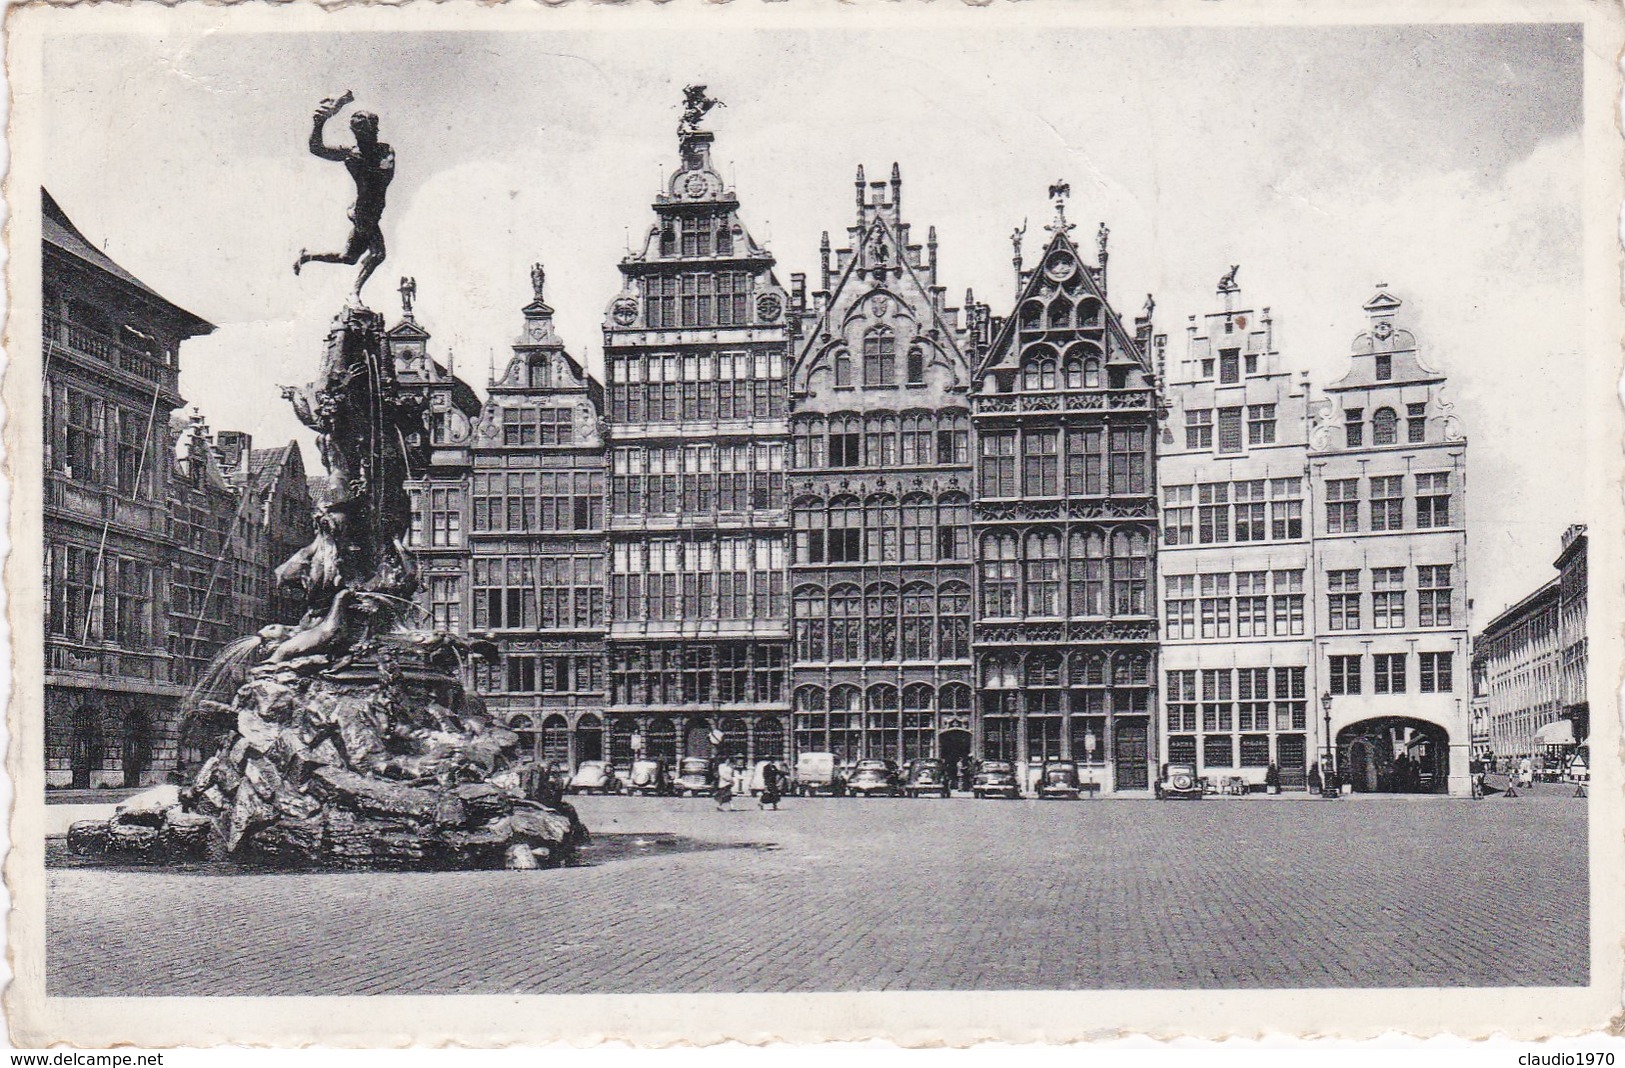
(1443, 161)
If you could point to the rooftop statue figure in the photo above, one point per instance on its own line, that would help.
(371, 164)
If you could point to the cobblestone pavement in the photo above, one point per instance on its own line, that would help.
(834, 894)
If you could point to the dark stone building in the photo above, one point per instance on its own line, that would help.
(881, 492)
(695, 349)
(1065, 412)
(159, 538)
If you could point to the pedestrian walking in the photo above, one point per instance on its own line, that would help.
(725, 789)
(770, 787)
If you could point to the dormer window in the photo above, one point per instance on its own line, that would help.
(1385, 367)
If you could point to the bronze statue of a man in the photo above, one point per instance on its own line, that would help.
(371, 164)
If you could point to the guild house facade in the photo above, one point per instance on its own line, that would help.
(849, 517)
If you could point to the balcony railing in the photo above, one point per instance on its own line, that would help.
(93, 345)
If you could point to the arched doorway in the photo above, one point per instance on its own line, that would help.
(734, 739)
(1394, 754)
(85, 742)
(954, 747)
(556, 739)
(662, 739)
(621, 730)
(589, 738)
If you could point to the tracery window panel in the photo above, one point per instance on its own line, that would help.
(1043, 573)
(1000, 576)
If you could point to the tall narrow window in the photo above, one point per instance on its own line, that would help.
(1229, 430)
(1213, 512)
(1387, 502)
(1043, 577)
(879, 357)
(1433, 499)
(1261, 424)
(1229, 366)
(1199, 428)
(1416, 423)
(1342, 505)
(1388, 673)
(1388, 598)
(1250, 510)
(1040, 464)
(1385, 368)
(1354, 427)
(843, 368)
(1437, 672)
(1178, 515)
(1433, 595)
(1343, 599)
(1085, 460)
(916, 365)
(998, 474)
(1000, 576)
(1345, 675)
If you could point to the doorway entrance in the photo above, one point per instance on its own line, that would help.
(1394, 755)
(954, 748)
(1131, 753)
(85, 741)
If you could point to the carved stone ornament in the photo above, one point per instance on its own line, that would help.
(625, 311)
(769, 307)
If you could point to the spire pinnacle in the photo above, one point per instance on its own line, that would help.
(1058, 192)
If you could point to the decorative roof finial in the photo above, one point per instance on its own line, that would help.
(695, 106)
(1227, 284)
(409, 294)
(538, 280)
(1058, 192)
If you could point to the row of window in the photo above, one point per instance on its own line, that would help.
(1044, 370)
(673, 580)
(1257, 419)
(98, 442)
(1243, 604)
(1385, 421)
(1099, 575)
(698, 479)
(96, 598)
(882, 530)
(882, 624)
(522, 502)
(1221, 751)
(1388, 598)
(725, 673)
(1097, 460)
(1061, 313)
(1215, 513)
(878, 364)
(561, 673)
(1387, 502)
(1248, 699)
(881, 440)
(696, 236)
(1389, 673)
(1231, 363)
(529, 592)
(1011, 671)
(697, 299)
(527, 426)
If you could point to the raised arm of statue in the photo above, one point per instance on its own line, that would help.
(324, 111)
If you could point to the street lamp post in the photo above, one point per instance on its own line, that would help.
(1327, 770)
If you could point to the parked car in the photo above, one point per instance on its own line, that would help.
(927, 775)
(1179, 780)
(995, 778)
(595, 777)
(649, 777)
(818, 773)
(1060, 779)
(694, 778)
(871, 777)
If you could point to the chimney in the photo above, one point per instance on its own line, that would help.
(798, 293)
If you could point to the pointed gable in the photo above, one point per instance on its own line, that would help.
(1064, 334)
(880, 320)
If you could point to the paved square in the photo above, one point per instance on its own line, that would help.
(844, 894)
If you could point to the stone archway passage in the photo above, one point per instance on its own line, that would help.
(1394, 755)
(954, 746)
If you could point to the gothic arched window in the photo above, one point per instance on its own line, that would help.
(843, 368)
(1043, 566)
(916, 365)
(1000, 576)
(919, 618)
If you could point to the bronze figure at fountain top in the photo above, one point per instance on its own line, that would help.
(349, 737)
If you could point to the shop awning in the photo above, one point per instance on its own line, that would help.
(1557, 732)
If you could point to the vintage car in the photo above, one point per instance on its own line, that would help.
(818, 773)
(995, 778)
(648, 777)
(1179, 780)
(927, 775)
(595, 777)
(758, 772)
(871, 777)
(694, 778)
(1060, 779)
